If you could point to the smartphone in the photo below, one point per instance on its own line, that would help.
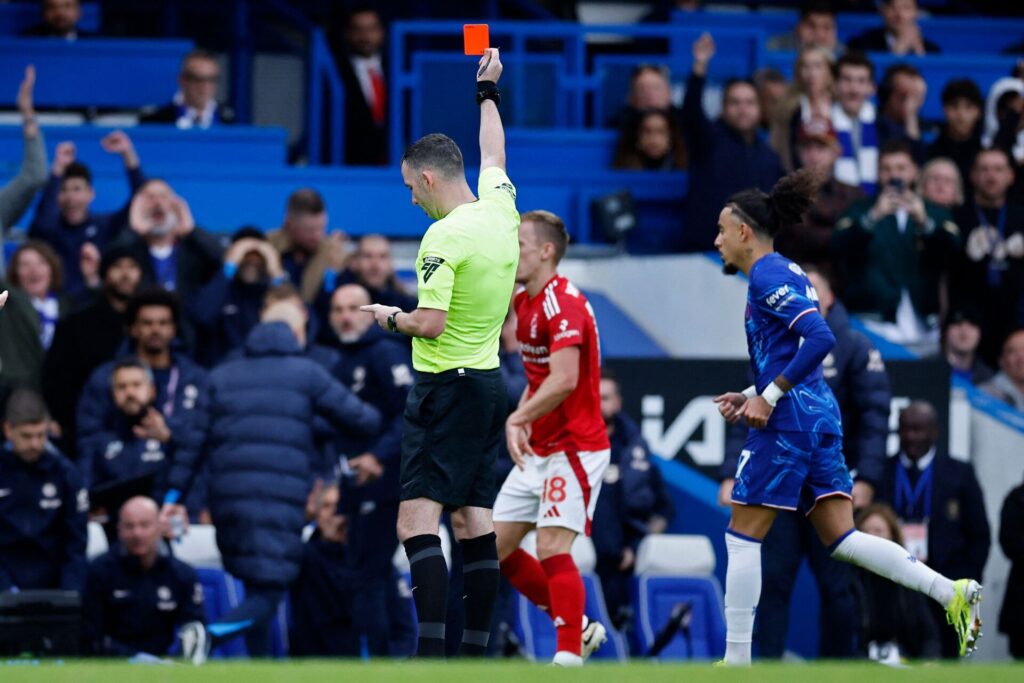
(896, 185)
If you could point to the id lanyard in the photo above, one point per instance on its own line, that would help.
(995, 266)
(908, 498)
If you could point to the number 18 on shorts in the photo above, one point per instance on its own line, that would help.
(558, 490)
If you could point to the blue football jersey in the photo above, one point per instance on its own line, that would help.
(779, 294)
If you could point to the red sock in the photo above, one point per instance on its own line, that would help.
(527, 576)
(567, 600)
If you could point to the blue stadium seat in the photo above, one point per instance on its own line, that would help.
(673, 570)
(159, 145)
(655, 597)
(92, 73)
(222, 592)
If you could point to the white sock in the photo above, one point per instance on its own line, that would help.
(892, 561)
(742, 591)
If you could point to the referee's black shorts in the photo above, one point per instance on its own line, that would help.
(454, 421)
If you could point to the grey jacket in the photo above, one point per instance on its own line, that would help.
(17, 194)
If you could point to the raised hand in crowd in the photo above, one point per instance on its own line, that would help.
(30, 126)
(89, 264)
(119, 143)
(703, 51)
(65, 154)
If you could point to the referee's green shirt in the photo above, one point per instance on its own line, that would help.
(467, 266)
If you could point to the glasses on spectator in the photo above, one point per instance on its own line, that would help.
(193, 77)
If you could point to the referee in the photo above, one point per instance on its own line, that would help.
(454, 416)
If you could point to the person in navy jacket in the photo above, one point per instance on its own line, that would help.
(632, 504)
(377, 369)
(261, 460)
(43, 504)
(939, 503)
(136, 441)
(228, 306)
(855, 372)
(153, 318)
(726, 155)
(64, 218)
(137, 595)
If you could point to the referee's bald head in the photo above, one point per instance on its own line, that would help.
(438, 153)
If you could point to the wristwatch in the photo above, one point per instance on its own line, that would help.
(393, 322)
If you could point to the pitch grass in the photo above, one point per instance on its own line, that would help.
(500, 672)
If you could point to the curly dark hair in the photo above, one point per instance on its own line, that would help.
(785, 205)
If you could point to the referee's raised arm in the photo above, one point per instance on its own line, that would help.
(492, 134)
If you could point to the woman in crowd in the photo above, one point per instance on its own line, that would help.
(36, 269)
(810, 97)
(890, 615)
(655, 143)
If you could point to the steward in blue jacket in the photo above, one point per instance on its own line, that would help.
(43, 505)
(260, 445)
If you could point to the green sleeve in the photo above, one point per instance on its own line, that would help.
(495, 187)
(439, 258)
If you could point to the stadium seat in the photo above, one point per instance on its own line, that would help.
(671, 571)
(96, 544)
(534, 628)
(221, 593)
(198, 547)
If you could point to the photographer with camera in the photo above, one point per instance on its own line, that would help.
(894, 251)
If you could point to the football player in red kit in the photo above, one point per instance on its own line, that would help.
(556, 437)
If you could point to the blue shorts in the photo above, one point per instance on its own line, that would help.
(791, 470)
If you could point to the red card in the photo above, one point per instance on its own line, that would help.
(476, 38)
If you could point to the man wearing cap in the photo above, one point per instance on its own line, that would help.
(807, 242)
(87, 338)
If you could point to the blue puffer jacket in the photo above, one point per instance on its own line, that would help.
(261, 455)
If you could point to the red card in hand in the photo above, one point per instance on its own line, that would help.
(476, 38)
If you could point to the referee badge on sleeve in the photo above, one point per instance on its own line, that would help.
(430, 264)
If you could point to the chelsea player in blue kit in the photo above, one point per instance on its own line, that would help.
(793, 458)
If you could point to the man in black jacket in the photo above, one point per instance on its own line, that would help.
(940, 504)
(87, 338)
(360, 59)
(726, 155)
(991, 272)
(856, 374)
(1011, 539)
(900, 34)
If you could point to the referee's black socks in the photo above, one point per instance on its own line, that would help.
(430, 591)
(480, 579)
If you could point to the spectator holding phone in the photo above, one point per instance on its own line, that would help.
(894, 252)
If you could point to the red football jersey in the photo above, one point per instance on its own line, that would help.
(559, 317)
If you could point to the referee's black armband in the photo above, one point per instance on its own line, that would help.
(487, 90)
